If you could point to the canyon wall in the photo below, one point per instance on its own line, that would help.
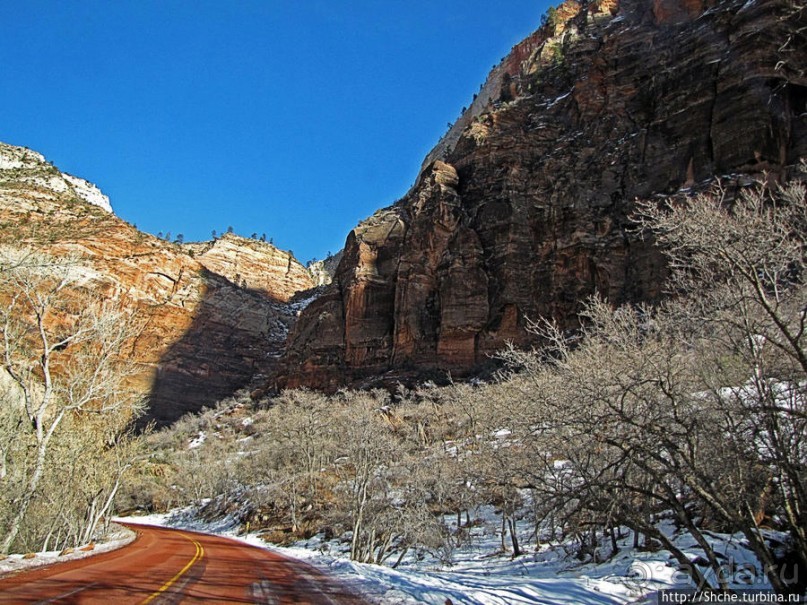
(523, 209)
(215, 314)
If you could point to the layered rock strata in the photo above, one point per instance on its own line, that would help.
(522, 209)
(215, 314)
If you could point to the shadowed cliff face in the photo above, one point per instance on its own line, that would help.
(216, 314)
(523, 208)
(235, 336)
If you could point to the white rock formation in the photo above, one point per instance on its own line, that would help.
(22, 165)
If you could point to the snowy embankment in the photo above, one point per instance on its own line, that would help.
(118, 537)
(482, 574)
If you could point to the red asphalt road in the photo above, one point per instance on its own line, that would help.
(171, 566)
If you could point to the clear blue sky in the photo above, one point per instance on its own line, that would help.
(294, 118)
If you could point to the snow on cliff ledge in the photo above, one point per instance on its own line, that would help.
(24, 165)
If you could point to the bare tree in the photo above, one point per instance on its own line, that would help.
(62, 349)
(693, 410)
(366, 453)
(741, 262)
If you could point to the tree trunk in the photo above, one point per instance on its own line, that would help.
(25, 503)
(514, 537)
(400, 557)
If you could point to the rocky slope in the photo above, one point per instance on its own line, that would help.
(254, 265)
(213, 322)
(23, 168)
(522, 210)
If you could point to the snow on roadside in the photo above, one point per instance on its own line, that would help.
(119, 537)
(498, 582)
(481, 574)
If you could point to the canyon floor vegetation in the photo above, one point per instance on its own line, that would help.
(687, 418)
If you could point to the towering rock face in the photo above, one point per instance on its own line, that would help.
(215, 313)
(522, 209)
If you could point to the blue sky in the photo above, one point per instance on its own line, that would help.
(294, 118)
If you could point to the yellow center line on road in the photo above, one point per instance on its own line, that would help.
(200, 551)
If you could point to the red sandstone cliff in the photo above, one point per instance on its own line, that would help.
(522, 208)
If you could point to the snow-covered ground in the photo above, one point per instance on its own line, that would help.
(298, 307)
(119, 537)
(482, 574)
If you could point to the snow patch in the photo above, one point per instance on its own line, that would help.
(482, 572)
(197, 441)
(297, 307)
(15, 563)
(558, 99)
